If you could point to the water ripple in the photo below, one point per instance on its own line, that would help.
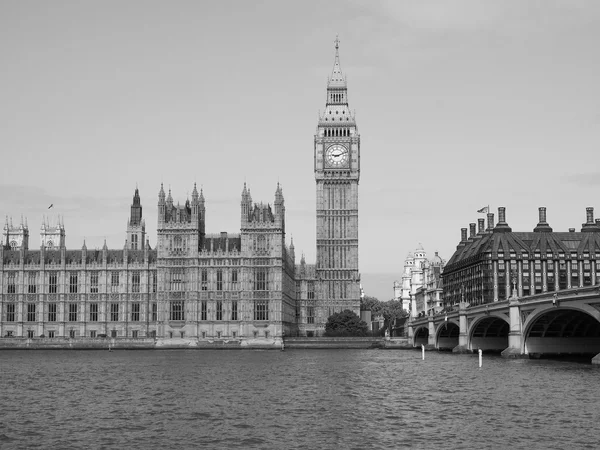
(296, 399)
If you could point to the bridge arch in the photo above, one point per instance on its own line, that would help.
(421, 336)
(489, 333)
(446, 335)
(556, 330)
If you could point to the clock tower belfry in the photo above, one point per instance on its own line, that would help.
(337, 173)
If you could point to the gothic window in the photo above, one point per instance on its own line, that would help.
(219, 310)
(135, 281)
(204, 279)
(177, 280)
(203, 310)
(114, 312)
(219, 280)
(11, 309)
(310, 294)
(176, 310)
(260, 244)
(73, 282)
(135, 312)
(31, 312)
(260, 279)
(261, 310)
(154, 312)
(11, 284)
(310, 314)
(94, 282)
(234, 310)
(234, 279)
(53, 282)
(72, 312)
(114, 282)
(154, 281)
(134, 242)
(93, 312)
(32, 282)
(52, 312)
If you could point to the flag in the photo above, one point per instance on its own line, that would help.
(483, 210)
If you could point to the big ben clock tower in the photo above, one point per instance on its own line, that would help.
(337, 171)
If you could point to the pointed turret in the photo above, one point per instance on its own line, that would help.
(169, 199)
(337, 78)
(136, 209)
(279, 207)
(161, 205)
(136, 227)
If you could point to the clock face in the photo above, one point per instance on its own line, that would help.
(337, 156)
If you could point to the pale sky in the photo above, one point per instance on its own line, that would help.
(459, 104)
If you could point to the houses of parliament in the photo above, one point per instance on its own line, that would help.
(243, 286)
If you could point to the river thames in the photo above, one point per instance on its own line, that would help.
(338, 399)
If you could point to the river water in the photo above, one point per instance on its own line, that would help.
(346, 399)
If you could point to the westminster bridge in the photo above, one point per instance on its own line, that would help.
(553, 323)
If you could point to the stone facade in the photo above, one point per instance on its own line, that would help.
(420, 289)
(230, 287)
(336, 279)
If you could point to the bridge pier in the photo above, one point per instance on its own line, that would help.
(431, 336)
(463, 335)
(515, 335)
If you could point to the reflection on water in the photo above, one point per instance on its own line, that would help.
(294, 399)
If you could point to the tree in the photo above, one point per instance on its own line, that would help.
(345, 323)
(372, 304)
(392, 310)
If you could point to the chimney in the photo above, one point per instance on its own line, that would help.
(471, 230)
(501, 214)
(502, 226)
(463, 238)
(542, 225)
(571, 230)
(481, 226)
(590, 225)
(490, 218)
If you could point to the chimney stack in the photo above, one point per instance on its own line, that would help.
(501, 214)
(490, 218)
(542, 225)
(480, 226)
(472, 230)
(463, 235)
(590, 225)
(502, 226)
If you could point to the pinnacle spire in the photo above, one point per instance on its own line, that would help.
(337, 78)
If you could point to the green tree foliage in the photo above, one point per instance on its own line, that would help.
(345, 323)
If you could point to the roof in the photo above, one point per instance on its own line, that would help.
(560, 244)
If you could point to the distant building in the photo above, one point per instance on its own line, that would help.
(420, 288)
(490, 264)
